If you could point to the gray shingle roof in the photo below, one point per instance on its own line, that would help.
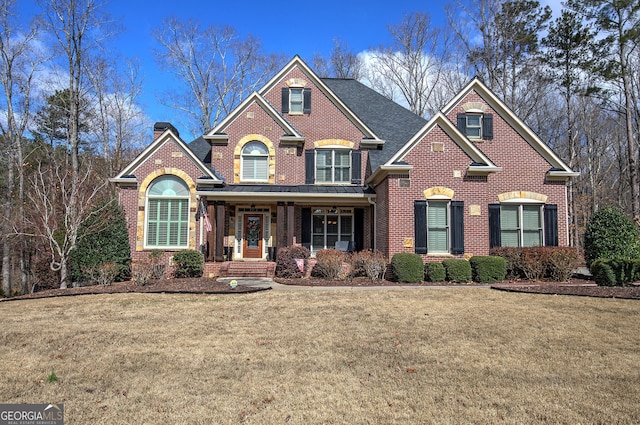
(389, 121)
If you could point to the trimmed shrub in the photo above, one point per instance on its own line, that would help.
(533, 262)
(614, 272)
(407, 267)
(103, 239)
(603, 274)
(457, 269)
(188, 263)
(286, 266)
(329, 264)
(434, 272)
(561, 262)
(611, 234)
(371, 264)
(513, 258)
(488, 269)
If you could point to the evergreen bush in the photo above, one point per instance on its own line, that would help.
(103, 238)
(407, 267)
(458, 270)
(434, 272)
(188, 263)
(611, 234)
(488, 269)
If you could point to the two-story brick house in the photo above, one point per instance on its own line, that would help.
(317, 161)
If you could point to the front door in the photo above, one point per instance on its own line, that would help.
(252, 242)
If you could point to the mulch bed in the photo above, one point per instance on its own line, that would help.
(573, 288)
(579, 287)
(167, 286)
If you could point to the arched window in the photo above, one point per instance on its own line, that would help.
(255, 162)
(167, 213)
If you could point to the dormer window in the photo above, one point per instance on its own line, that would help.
(476, 125)
(296, 100)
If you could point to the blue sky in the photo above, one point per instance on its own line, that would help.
(286, 27)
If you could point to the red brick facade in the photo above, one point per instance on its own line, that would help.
(435, 163)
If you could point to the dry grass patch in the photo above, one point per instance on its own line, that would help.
(326, 357)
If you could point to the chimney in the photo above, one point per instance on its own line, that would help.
(161, 127)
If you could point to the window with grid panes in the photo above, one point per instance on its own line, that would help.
(333, 166)
(329, 226)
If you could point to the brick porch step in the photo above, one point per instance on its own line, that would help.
(247, 269)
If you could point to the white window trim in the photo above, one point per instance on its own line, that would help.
(467, 126)
(145, 245)
(333, 166)
(521, 229)
(301, 111)
(448, 227)
(242, 156)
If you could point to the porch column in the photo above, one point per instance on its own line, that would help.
(219, 245)
(281, 226)
(291, 223)
(211, 236)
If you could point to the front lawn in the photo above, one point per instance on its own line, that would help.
(428, 355)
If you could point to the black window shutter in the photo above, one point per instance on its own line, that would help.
(285, 100)
(494, 226)
(457, 227)
(487, 127)
(306, 101)
(309, 166)
(462, 123)
(551, 225)
(356, 165)
(420, 226)
(358, 230)
(306, 227)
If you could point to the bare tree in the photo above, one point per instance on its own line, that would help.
(342, 62)
(411, 67)
(52, 195)
(216, 67)
(118, 122)
(19, 61)
(78, 27)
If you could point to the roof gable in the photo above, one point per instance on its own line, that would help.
(479, 161)
(217, 133)
(559, 169)
(369, 135)
(166, 137)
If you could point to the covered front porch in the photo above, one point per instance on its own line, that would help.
(250, 222)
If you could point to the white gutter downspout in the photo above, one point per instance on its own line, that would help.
(375, 223)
